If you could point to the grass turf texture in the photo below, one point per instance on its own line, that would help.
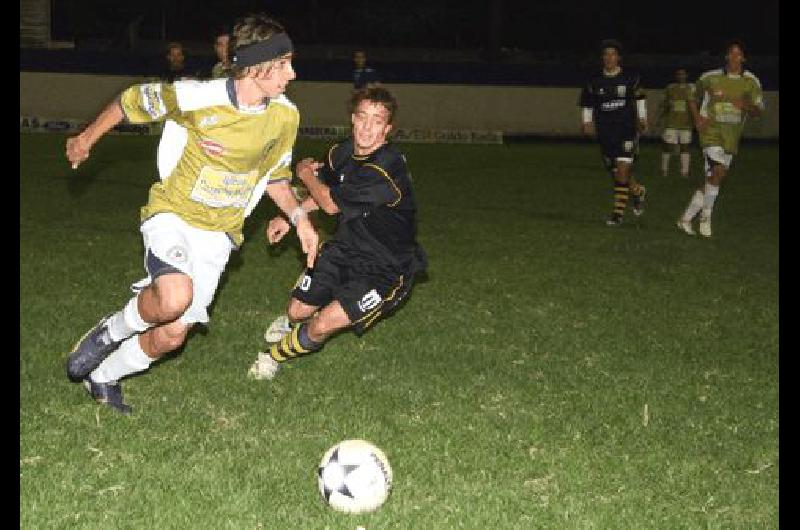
(551, 372)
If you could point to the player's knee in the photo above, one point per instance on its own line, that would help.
(298, 311)
(174, 295)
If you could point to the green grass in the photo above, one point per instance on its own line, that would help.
(551, 372)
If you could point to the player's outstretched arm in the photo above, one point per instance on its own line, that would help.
(78, 147)
(281, 193)
(278, 226)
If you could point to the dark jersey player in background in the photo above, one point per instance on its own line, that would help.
(614, 104)
(368, 266)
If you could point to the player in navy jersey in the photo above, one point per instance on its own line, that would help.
(614, 106)
(363, 76)
(368, 267)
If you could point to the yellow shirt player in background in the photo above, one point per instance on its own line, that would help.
(238, 141)
(677, 119)
(725, 97)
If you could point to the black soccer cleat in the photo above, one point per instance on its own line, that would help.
(614, 219)
(109, 394)
(90, 351)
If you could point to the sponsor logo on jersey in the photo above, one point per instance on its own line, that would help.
(614, 104)
(152, 101)
(621, 91)
(211, 147)
(627, 146)
(718, 93)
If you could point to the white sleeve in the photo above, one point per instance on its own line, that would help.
(587, 114)
(641, 107)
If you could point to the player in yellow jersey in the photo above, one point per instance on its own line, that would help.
(239, 136)
(726, 96)
(674, 111)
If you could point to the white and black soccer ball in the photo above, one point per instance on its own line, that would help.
(354, 476)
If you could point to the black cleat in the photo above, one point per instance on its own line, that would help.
(614, 220)
(107, 393)
(637, 203)
(90, 351)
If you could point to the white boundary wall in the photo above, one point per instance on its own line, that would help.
(435, 112)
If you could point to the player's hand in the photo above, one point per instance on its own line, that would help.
(276, 229)
(307, 169)
(309, 239)
(588, 128)
(643, 126)
(701, 123)
(77, 150)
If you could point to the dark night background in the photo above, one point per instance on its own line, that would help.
(547, 42)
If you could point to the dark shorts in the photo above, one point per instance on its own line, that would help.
(364, 295)
(615, 145)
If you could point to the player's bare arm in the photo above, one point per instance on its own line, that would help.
(278, 226)
(78, 147)
(281, 193)
(307, 172)
(700, 122)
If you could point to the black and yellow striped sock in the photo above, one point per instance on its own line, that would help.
(294, 344)
(621, 192)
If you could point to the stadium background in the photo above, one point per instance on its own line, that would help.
(517, 67)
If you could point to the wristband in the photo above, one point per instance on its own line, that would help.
(296, 214)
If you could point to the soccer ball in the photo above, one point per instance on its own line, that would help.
(354, 477)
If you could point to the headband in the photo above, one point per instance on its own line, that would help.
(260, 52)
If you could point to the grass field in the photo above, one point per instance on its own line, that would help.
(550, 372)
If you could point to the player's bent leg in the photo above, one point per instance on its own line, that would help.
(167, 298)
(296, 312)
(304, 338)
(157, 342)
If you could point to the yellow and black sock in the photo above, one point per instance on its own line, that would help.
(294, 344)
(621, 192)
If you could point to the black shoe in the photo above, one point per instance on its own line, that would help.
(108, 393)
(90, 351)
(637, 203)
(614, 220)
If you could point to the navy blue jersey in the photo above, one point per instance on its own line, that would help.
(613, 101)
(376, 225)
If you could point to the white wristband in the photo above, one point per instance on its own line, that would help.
(296, 214)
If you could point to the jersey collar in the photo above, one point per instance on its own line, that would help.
(231, 87)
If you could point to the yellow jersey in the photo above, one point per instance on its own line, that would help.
(226, 155)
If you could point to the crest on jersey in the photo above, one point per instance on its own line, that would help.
(621, 91)
(211, 147)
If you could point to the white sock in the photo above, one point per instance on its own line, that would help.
(695, 205)
(126, 322)
(664, 163)
(685, 158)
(711, 193)
(128, 359)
